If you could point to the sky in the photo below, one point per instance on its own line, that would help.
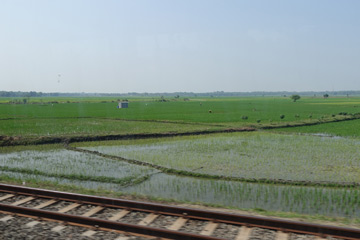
(120, 46)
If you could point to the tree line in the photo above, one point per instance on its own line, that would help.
(19, 94)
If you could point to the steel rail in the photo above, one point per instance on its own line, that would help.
(106, 224)
(221, 217)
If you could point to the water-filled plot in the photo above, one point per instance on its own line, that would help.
(73, 165)
(251, 156)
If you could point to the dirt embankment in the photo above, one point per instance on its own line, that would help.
(312, 123)
(15, 141)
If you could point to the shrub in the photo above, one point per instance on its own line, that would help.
(282, 116)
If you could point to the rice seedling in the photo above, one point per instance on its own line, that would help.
(251, 156)
(270, 197)
(35, 178)
(72, 165)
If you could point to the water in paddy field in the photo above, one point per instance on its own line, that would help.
(66, 168)
(308, 200)
(344, 202)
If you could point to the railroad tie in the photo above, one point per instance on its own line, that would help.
(6, 196)
(22, 201)
(178, 224)
(119, 215)
(58, 228)
(32, 223)
(45, 204)
(280, 235)
(115, 217)
(64, 210)
(68, 208)
(148, 219)
(209, 229)
(42, 205)
(93, 211)
(88, 233)
(244, 233)
(89, 213)
(6, 218)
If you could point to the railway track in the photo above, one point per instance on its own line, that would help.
(140, 220)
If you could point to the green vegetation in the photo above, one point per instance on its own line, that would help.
(344, 129)
(225, 110)
(67, 127)
(251, 156)
(295, 97)
(97, 116)
(307, 200)
(266, 164)
(72, 165)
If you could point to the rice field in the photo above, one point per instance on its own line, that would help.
(334, 202)
(344, 129)
(72, 165)
(255, 155)
(344, 202)
(89, 127)
(321, 155)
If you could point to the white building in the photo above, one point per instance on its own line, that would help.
(123, 105)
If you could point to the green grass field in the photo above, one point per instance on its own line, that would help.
(93, 117)
(281, 155)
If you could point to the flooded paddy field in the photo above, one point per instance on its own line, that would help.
(279, 169)
(61, 163)
(334, 202)
(258, 155)
(255, 155)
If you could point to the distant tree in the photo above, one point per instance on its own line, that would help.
(24, 100)
(295, 97)
(326, 95)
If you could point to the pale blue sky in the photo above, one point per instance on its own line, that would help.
(179, 45)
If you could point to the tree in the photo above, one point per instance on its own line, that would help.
(326, 95)
(295, 97)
